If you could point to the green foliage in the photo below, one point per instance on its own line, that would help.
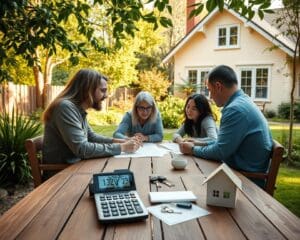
(270, 114)
(154, 82)
(245, 9)
(28, 25)
(104, 118)
(171, 110)
(14, 130)
(284, 110)
(187, 87)
(60, 76)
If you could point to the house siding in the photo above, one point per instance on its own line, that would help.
(201, 51)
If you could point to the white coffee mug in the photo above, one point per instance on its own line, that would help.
(179, 162)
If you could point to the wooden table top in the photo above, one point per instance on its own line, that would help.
(61, 207)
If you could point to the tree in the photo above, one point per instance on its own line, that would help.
(32, 28)
(288, 21)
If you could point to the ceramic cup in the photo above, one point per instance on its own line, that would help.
(178, 162)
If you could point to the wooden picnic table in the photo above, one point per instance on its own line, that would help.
(61, 207)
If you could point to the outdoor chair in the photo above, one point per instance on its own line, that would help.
(34, 150)
(271, 175)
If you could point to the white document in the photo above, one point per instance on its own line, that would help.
(175, 196)
(147, 150)
(174, 218)
(172, 147)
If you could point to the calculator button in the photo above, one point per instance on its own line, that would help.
(123, 212)
(106, 214)
(115, 213)
(138, 209)
(131, 211)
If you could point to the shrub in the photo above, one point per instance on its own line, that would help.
(14, 130)
(171, 110)
(284, 110)
(270, 114)
(154, 82)
(112, 117)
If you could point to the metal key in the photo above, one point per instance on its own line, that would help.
(166, 209)
(164, 180)
(154, 179)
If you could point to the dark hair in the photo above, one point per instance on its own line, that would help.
(224, 75)
(203, 106)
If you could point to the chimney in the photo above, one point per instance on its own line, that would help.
(190, 22)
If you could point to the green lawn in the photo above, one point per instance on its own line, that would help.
(288, 180)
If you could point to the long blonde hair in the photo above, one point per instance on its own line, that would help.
(146, 97)
(79, 89)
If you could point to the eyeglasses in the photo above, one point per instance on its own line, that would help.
(145, 109)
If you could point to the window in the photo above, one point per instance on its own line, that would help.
(193, 76)
(228, 36)
(254, 81)
(226, 194)
(215, 193)
(198, 77)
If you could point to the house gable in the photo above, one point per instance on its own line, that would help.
(260, 26)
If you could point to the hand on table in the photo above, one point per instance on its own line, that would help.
(186, 147)
(130, 145)
(141, 137)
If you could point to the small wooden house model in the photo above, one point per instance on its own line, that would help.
(222, 186)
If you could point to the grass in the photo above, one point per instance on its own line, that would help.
(288, 179)
(288, 188)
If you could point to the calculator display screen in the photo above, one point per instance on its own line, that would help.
(114, 182)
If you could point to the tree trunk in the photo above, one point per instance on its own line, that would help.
(290, 142)
(39, 86)
(47, 80)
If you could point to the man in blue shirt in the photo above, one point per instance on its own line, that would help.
(244, 140)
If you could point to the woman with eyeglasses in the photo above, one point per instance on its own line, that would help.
(199, 125)
(143, 122)
(68, 138)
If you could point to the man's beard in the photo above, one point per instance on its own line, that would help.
(97, 105)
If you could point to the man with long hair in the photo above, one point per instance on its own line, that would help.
(68, 137)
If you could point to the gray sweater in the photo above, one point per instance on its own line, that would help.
(208, 130)
(68, 137)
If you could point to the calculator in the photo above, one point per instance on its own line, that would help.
(116, 197)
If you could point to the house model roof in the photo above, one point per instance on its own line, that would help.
(230, 174)
(262, 26)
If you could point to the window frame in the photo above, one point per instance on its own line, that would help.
(227, 40)
(253, 69)
(199, 71)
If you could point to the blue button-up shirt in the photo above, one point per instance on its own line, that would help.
(244, 140)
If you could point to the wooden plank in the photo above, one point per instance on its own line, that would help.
(285, 221)
(116, 163)
(190, 229)
(48, 223)
(141, 167)
(20, 215)
(83, 223)
(92, 166)
(252, 222)
(217, 225)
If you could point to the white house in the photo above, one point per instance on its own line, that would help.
(222, 186)
(228, 38)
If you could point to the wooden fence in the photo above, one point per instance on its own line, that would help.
(22, 97)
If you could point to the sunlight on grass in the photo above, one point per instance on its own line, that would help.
(288, 188)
